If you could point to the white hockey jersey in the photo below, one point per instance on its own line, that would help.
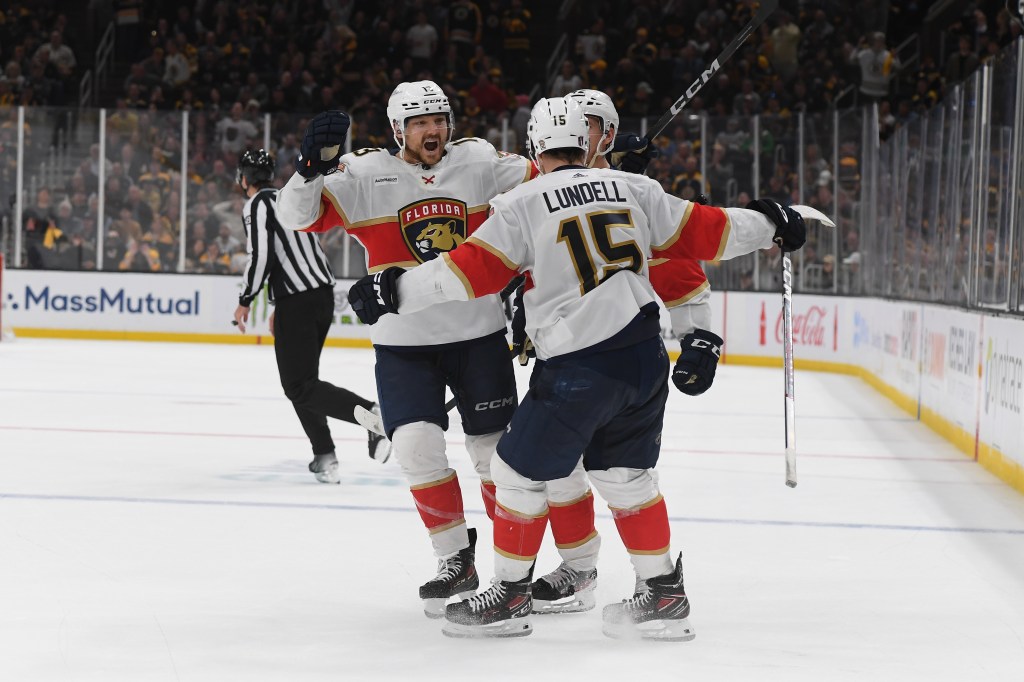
(586, 237)
(404, 214)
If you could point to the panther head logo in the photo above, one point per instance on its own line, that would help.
(434, 226)
(439, 237)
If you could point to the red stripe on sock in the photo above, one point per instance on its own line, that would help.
(516, 536)
(488, 491)
(439, 504)
(645, 529)
(572, 523)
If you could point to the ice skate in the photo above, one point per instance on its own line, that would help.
(325, 468)
(640, 588)
(456, 577)
(564, 590)
(658, 614)
(501, 611)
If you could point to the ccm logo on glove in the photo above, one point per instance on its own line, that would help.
(698, 359)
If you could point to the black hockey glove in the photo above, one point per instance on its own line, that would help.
(695, 368)
(375, 295)
(632, 153)
(522, 346)
(322, 144)
(790, 230)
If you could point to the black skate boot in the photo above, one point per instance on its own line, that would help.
(325, 468)
(660, 613)
(501, 611)
(564, 590)
(456, 576)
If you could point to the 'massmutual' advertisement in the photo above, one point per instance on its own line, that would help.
(141, 302)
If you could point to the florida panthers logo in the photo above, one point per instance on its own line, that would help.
(438, 237)
(433, 226)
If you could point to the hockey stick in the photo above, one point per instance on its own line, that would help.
(763, 12)
(789, 401)
(372, 422)
(787, 366)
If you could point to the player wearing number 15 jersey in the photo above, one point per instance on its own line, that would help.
(405, 209)
(585, 236)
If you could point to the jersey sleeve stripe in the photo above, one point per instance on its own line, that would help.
(679, 230)
(493, 250)
(482, 271)
(459, 273)
(725, 238)
(531, 171)
(687, 297)
(336, 204)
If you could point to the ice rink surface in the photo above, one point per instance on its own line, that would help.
(157, 522)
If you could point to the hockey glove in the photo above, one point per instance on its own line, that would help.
(632, 153)
(790, 230)
(695, 368)
(375, 295)
(322, 144)
(522, 346)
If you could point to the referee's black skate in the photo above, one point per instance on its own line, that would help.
(564, 590)
(325, 468)
(501, 611)
(659, 613)
(456, 577)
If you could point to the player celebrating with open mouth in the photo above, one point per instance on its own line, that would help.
(405, 209)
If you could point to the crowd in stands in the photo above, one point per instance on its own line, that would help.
(230, 63)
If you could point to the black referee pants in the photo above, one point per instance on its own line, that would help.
(301, 322)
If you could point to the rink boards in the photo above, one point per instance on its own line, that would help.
(959, 372)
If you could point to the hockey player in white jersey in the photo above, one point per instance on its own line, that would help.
(407, 209)
(586, 237)
(683, 287)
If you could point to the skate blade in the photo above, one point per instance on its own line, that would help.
(670, 630)
(577, 603)
(331, 475)
(513, 627)
(434, 608)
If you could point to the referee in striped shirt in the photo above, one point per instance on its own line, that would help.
(302, 289)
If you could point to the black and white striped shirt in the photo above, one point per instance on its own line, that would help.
(294, 261)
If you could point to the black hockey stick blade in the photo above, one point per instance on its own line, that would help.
(763, 12)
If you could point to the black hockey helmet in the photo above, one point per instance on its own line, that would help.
(256, 166)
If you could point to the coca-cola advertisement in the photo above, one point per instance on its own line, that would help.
(811, 327)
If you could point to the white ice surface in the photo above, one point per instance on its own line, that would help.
(157, 522)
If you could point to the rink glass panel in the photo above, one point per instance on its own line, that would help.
(932, 212)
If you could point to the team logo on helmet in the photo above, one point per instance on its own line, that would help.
(433, 226)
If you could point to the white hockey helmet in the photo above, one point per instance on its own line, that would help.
(557, 123)
(417, 99)
(599, 104)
